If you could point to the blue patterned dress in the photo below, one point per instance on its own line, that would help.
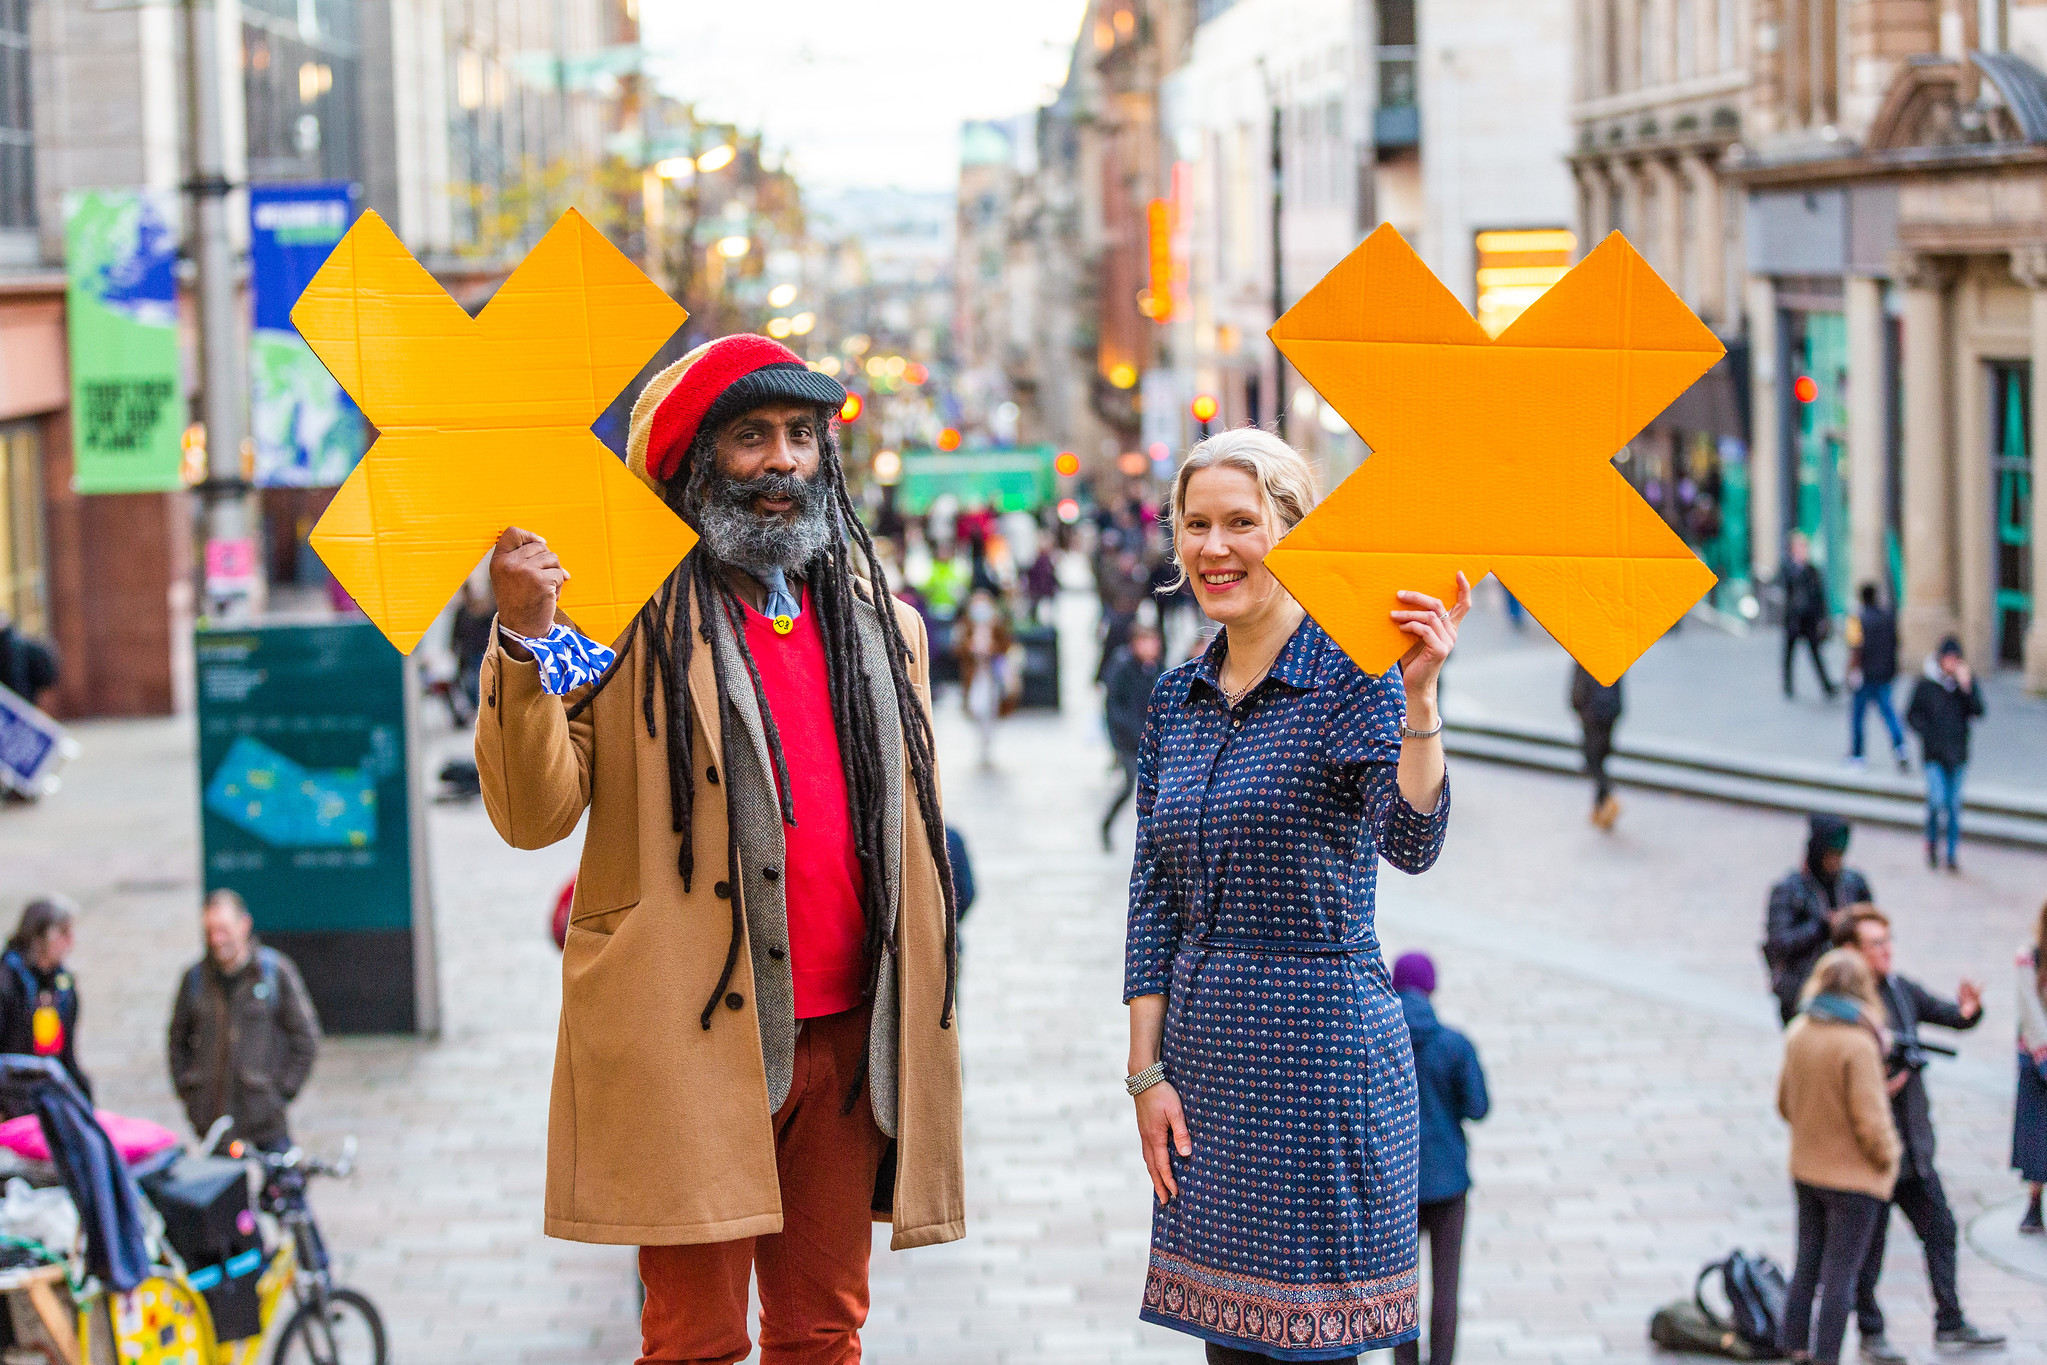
(1251, 906)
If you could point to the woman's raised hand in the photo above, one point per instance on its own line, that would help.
(1434, 628)
(1160, 1121)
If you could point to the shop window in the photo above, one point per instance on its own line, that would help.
(23, 595)
(17, 139)
(1820, 432)
(2011, 472)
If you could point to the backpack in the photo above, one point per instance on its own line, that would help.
(1756, 1292)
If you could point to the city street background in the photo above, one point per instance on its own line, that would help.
(1611, 983)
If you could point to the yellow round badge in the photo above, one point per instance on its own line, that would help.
(784, 624)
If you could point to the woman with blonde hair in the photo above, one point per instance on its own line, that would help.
(1275, 1088)
(1844, 1147)
(2029, 1116)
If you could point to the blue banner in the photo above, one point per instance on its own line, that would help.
(309, 434)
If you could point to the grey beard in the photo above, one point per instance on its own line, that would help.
(745, 539)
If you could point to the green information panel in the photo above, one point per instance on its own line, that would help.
(1019, 479)
(309, 810)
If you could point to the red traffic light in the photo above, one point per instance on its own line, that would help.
(1806, 388)
(1067, 463)
(849, 411)
(949, 439)
(1204, 408)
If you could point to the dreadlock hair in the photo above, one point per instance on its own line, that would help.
(661, 628)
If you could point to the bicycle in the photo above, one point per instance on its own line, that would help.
(331, 1326)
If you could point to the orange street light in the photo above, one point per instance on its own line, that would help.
(1204, 407)
(849, 411)
(949, 439)
(1067, 463)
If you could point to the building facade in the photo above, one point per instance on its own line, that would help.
(1896, 181)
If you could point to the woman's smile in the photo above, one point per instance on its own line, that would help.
(1222, 580)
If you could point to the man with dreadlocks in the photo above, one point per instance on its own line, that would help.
(757, 1053)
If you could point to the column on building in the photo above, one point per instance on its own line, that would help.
(1765, 477)
(1930, 582)
(1709, 291)
(2029, 265)
(1667, 235)
(1865, 401)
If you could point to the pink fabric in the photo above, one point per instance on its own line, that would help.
(134, 1139)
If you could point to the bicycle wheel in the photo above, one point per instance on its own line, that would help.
(351, 1334)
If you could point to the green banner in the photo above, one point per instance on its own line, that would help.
(127, 402)
(1016, 480)
(304, 794)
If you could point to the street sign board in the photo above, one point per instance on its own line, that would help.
(309, 432)
(32, 747)
(1020, 478)
(310, 809)
(121, 313)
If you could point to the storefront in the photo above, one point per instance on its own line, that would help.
(1902, 291)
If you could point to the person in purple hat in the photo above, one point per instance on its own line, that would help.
(1452, 1091)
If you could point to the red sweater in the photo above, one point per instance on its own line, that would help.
(821, 883)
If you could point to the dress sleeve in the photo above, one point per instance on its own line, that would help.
(1153, 937)
(1365, 739)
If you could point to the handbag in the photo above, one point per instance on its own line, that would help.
(1681, 1327)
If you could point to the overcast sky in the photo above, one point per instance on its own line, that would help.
(862, 92)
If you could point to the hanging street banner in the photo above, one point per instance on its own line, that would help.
(127, 401)
(309, 433)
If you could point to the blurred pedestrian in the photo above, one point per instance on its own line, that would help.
(1919, 1194)
(1599, 708)
(28, 664)
(1844, 1148)
(1273, 776)
(468, 638)
(1799, 923)
(243, 1033)
(987, 680)
(1450, 1086)
(1872, 667)
(1805, 610)
(1041, 582)
(1132, 675)
(1517, 615)
(2029, 1118)
(1946, 701)
(38, 993)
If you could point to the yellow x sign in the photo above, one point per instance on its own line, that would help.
(1494, 455)
(484, 423)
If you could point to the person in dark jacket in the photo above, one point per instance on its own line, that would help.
(1945, 702)
(469, 639)
(28, 666)
(1918, 1195)
(243, 1033)
(1132, 673)
(38, 994)
(1450, 1086)
(1799, 924)
(1805, 609)
(1599, 708)
(1872, 668)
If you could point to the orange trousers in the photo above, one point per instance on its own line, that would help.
(813, 1273)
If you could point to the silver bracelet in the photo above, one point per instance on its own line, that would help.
(1145, 1079)
(1406, 733)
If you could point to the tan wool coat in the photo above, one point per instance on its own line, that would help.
(659, 1130)
(1831, 1092)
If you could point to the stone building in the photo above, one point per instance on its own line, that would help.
(1895, 166)
(1658, 91)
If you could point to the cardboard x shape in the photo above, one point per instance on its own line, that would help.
(485, 423)
(1493, 456)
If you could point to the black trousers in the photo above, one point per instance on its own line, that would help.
(1834, 1228)
(1129, 765)
(1811, 636)
(1924, 1204)
(1230, 1355)
(1442, 1221)
(1598, 746)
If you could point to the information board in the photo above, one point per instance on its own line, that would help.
(309, 433)
(121, 313)
(310, 808)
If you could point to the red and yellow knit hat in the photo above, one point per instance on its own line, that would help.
(711, 385)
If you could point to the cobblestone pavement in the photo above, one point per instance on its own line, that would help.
(1611, 984)
(1703, 687)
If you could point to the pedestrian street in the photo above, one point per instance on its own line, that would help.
(1610, 982)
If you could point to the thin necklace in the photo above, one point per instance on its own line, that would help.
(1232, 698)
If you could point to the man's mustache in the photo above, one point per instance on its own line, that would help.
(775, 484)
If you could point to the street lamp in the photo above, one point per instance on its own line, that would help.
(733, 247)
(801, 324)
(717, 159)
(674, 167)
(781, 296)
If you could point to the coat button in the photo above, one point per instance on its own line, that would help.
(775, 953)
(771, 873)
(711, 774)
(724, 890)
(734, 1000)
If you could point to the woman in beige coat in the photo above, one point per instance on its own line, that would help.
(1844, 1147)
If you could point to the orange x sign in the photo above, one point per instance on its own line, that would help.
(1493, 455)
(484, 423)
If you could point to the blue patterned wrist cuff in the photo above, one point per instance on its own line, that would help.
(567, 660)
